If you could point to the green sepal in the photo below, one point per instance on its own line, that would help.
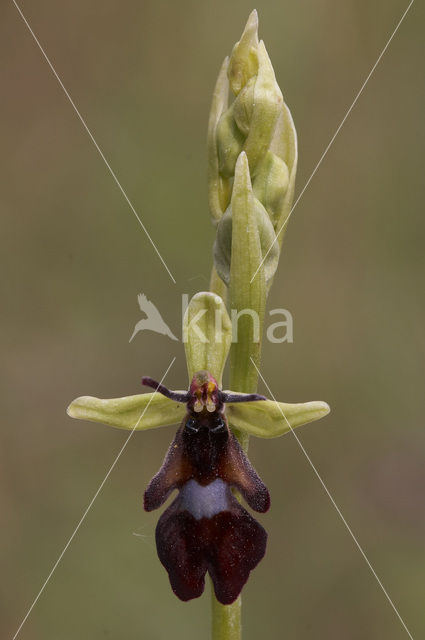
(125, 413)
(266, 418)
(207, 334)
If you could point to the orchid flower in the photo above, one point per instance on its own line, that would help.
(205, 529)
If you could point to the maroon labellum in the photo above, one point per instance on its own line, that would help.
(205, 528)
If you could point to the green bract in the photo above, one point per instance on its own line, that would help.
(246, 297)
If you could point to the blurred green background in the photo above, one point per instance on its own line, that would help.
(74, 259)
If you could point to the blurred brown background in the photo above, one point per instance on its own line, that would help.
(74, 259)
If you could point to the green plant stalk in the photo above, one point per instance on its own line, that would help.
(226, 619)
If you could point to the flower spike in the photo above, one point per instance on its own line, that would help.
(252, 160)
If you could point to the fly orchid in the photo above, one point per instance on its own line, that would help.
(205, 529)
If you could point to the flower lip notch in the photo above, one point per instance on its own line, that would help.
(205, 529)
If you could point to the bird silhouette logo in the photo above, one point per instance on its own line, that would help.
(153, 320)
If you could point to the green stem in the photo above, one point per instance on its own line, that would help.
(226, 620)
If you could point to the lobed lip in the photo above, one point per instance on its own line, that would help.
(228, 544)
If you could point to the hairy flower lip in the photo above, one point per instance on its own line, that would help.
(228, 545)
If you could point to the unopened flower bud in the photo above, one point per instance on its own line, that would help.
(271, 184)
(230, 142)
